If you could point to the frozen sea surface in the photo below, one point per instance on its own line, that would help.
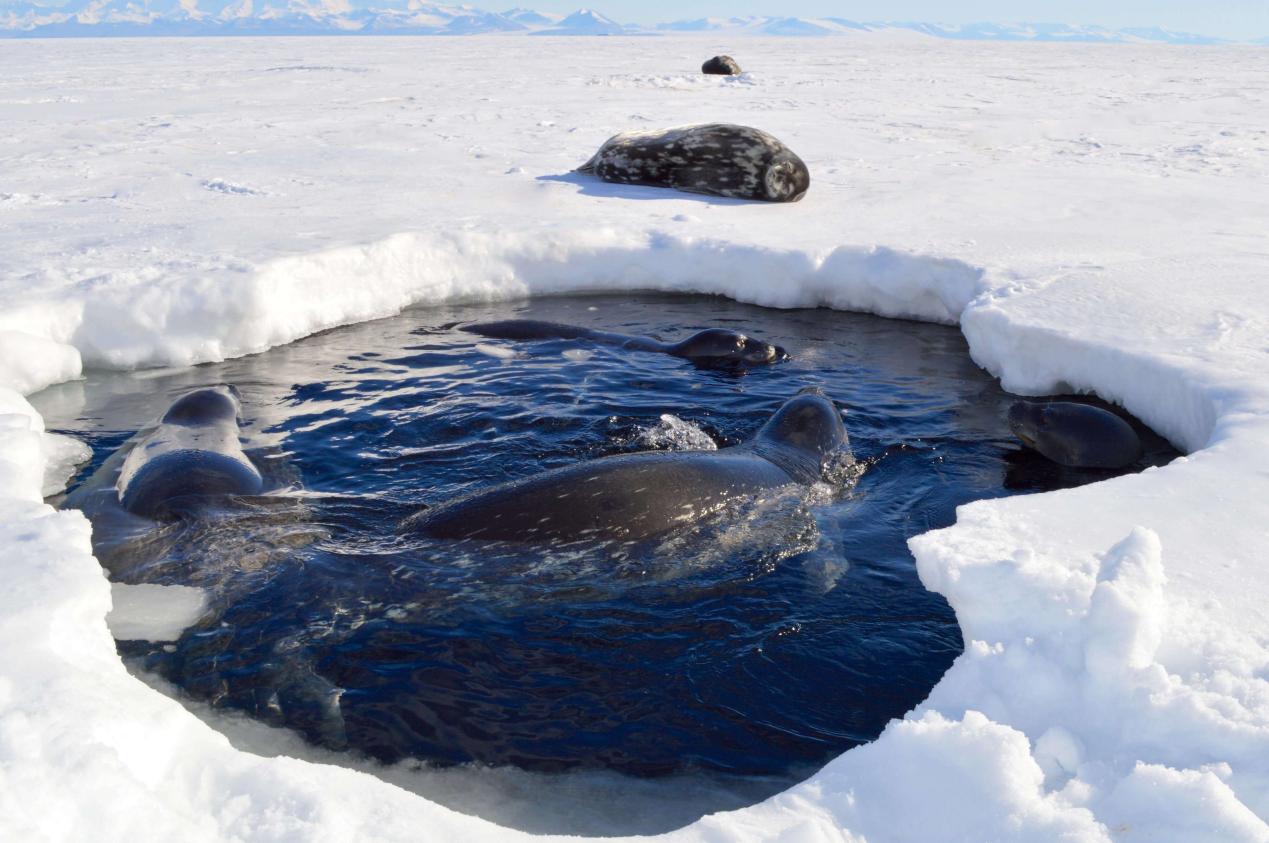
(1091, 217)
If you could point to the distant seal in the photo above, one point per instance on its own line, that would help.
(721, 66)
(721, 159)
(1076, 435)
(713, 346)
(193, 454)
(636, 496)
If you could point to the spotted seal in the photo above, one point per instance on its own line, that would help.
(721, 159)
(631, 497)
(713, 346)
(1076, 435)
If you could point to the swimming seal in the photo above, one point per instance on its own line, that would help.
(721, 66)
(713, 346)
(636, 496)
(193, 454)
(721, 159)
(1076, 435)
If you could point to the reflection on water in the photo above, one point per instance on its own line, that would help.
(740, 653)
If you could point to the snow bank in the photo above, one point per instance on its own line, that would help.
(1091, 218)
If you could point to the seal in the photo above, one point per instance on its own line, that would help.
(721, 159)
(721, 66)
(192, 455)
(1075, 435)
(711, 347)
(631, 497)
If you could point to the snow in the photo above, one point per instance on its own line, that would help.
(1091, 217)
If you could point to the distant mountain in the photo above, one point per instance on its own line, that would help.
(529, 17)
(701, 24)
(33, 18)
(585, 22)
(966, 32)
(251, 17)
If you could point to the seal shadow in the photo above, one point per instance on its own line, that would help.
(591, 186)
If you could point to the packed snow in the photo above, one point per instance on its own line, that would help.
(1091, 217)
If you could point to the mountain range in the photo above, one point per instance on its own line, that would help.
(32, 18)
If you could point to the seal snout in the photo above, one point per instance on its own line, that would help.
(757, 351)
(1026, 421)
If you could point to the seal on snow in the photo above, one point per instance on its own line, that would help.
(721, 66)
(721, 159)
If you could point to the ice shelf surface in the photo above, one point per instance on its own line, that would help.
(1092, 217)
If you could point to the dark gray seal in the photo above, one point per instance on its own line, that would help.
(721, 159)
(636, 496)
(713, 346)
(721, 66)
(1076, 435)
(193, 454)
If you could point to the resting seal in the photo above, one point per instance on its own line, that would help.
(193, 453)
(716, 158)
(721, 66)
(635, 496)
(1076, 435)
(713, 346)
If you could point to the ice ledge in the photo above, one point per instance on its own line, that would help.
(1101, 694)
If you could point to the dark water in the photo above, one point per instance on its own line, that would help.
(759, 646)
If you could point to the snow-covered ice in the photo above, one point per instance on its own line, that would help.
(1092, 217)
(149, 612)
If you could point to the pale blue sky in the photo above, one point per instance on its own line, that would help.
(1238, 19)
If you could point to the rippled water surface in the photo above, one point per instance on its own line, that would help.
(755, 646)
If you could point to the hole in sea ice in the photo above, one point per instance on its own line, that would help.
(560, 689)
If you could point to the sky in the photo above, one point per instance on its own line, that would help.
(1237, 19)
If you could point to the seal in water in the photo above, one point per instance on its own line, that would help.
(713, 346)
(636, 496)
(193, 454)
(721, 66)
(1076, 435)
(716, 158)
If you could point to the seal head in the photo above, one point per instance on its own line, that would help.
(193, 456)
(803, 434)
(214, 405)
(1075, 435)
(720, 345)
(786, 179)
